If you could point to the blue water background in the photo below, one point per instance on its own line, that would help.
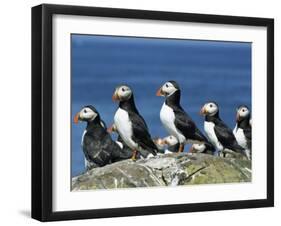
(205, 70)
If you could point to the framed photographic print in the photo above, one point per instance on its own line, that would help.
(145, 112)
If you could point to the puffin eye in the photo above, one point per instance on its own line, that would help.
(167, 85)
(123, 89)
(85, 111)
(211, 105)
(243, 110)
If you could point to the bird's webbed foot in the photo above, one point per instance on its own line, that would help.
(134, 156)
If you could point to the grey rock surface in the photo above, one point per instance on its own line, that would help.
(166, 170)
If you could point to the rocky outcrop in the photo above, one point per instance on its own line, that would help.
(166, 170)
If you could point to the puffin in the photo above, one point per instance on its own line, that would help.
(172, 144)
(175, 120)
(243, 128)
(98, 147)
(130, 124)
(218, 133)
(160, 145)
(206, 148)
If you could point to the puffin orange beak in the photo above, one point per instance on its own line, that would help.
(203, 111)
(76, 118)
(160, 92)
(161, 141)
(110, 129)
(164, 142)
(157, 141)
(115, 96)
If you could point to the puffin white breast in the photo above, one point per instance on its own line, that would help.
(240, 137)
(124, 127)
(209, 128)
(167, 117)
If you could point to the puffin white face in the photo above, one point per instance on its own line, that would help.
(86, 114)
(198, 147)
(170, 140)
(122, 93)
(242, 112)
(167, 89)
(210, 108)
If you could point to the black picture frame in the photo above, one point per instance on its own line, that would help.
(42, 111)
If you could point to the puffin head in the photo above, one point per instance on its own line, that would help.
(168, 89)
(87, 114)
(242, 112)
(170, 140)
(210, 109)
(197, 148)
(122, 93)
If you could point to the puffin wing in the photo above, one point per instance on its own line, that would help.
(226, 137)
(223, 133)
(101, 151)
(187, 127)
(141, 134)
(248, 135)
(184, 123)
(95, 151)
(198, 135)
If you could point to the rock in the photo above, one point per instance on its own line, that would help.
(166, 170)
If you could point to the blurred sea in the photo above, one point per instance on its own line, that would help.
(205, 70)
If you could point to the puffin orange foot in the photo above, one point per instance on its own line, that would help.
(134, 156)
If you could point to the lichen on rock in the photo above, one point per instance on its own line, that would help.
(166, 170)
